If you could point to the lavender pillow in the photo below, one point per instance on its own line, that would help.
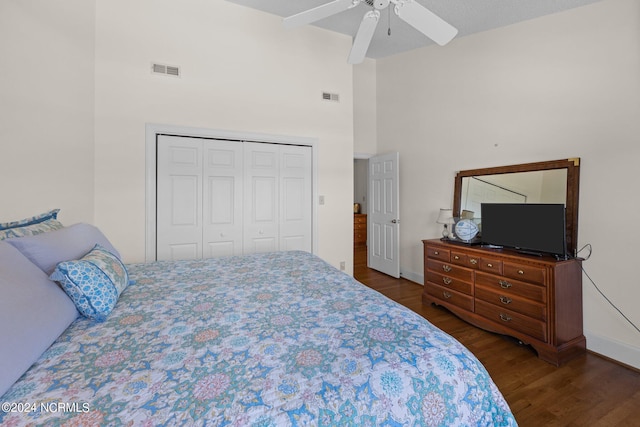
(46, 250)
(34, 311)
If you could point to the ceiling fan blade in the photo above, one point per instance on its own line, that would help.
(425, 21)
(318, 13)
(363, 37)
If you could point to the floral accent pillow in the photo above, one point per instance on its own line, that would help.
(94, 282)
(31, 226)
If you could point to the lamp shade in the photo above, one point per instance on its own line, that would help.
(445, 217)
(467, 214)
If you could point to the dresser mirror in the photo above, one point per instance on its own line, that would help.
(555, 181)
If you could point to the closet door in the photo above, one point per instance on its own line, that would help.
(261, 197)
(222, 198)
(179, 198)
(295, 198)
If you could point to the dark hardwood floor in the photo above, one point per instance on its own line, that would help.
(587, 391)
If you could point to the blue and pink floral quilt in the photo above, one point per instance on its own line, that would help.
(278, 339)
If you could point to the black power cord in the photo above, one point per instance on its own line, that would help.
(602, 293)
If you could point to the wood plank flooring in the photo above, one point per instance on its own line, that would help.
(588, 391)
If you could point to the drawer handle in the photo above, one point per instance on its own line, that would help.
(505, 300)
(504, 284)
(489, 265)
(456, 257)
(447, 280)
(436, 253)
(473, 261)
(447, 295)
(505, 318)
(446, 268)
(520, 272)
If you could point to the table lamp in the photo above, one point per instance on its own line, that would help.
(446, 218)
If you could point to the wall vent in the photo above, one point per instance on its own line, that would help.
(168, 70)
(330, 96)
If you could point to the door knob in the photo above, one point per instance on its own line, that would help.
(395, 221)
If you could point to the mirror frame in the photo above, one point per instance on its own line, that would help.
(573, 189)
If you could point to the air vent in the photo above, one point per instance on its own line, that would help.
(168, 70)
(330, 96)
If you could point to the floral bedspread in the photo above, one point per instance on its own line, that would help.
(278, 339)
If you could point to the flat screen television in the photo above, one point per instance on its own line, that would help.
(528, 227)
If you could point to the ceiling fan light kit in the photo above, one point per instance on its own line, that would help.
(413, 13)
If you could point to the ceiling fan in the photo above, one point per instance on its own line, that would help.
(413, 13)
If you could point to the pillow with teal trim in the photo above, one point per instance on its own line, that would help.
(31, 226)
(94, 282)
(52, 214)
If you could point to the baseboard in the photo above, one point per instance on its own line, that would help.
(617, 351)
(414, 277)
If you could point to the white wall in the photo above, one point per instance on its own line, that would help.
(241, 71)
(566, 85)
(46, 108)
(364, 108)
(77, 92)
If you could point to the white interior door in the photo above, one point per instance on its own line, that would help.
(222, 198)
(295, 198)
(261, 198)
(384, 216)
(179, 198)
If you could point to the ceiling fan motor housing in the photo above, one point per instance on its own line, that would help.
(380, 4)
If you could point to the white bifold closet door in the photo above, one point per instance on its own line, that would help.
(220, 198)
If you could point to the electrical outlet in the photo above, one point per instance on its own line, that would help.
(342, 265)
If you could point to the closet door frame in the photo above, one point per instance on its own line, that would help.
(151, 135)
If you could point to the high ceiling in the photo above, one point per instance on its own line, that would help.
(468, 16)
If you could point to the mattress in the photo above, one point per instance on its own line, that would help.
(277, 339)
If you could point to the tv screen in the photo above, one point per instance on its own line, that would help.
(529, 227)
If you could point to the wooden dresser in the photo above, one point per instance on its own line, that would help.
(537, 300)
(359, 229)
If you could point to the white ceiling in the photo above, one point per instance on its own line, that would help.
(468, 16)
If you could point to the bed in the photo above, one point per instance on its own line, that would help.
(276, 339)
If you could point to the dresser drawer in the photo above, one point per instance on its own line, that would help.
(490, 265)
(360, 226)
(512, 302)
(450, 282)
(464, 260)
(524, 272)
(360, 219)
(450, 296)
(512, 287)
(438, 253)
(450, 270)
(511, 319)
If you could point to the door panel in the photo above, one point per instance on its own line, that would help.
(183, 251)
(384, 216)
(184, 199)
(221, 248)
(261, 196)
(223, 229)
(179, 188)
(295, 198)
